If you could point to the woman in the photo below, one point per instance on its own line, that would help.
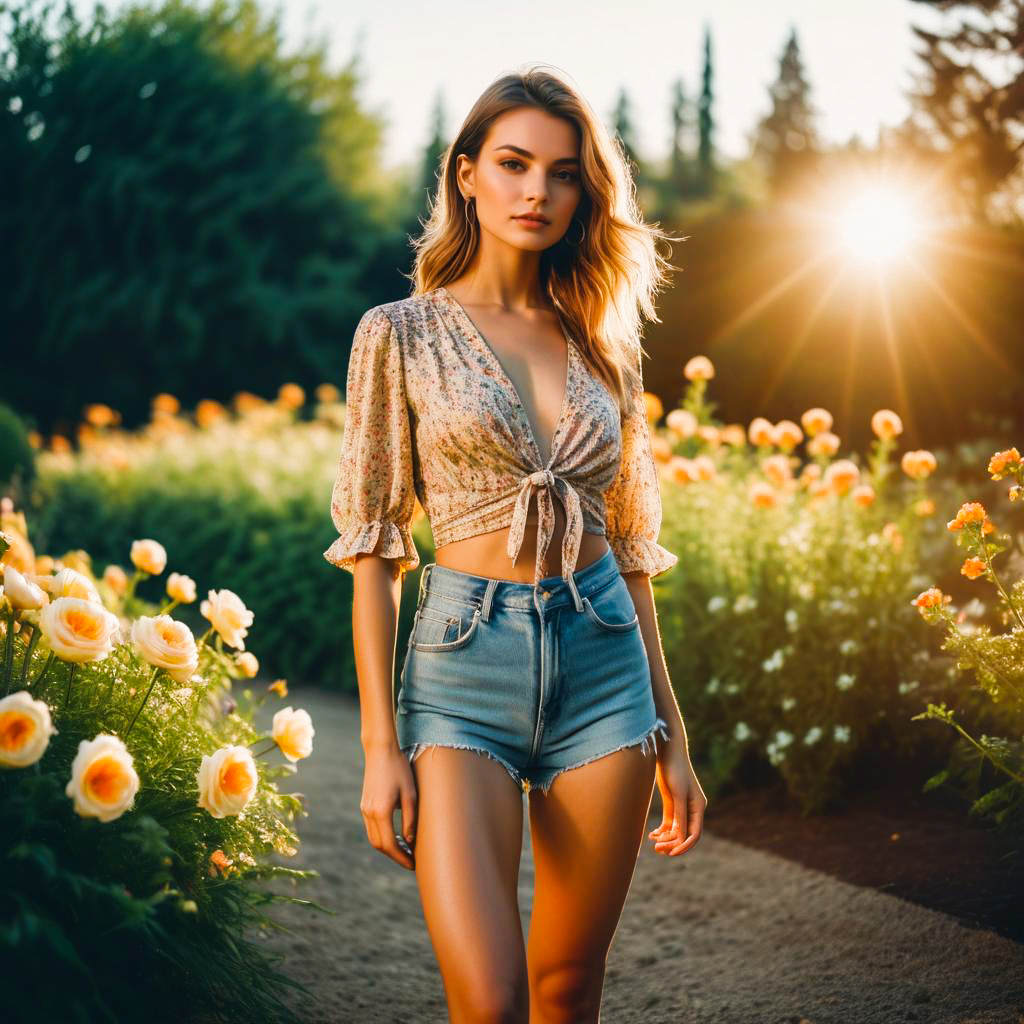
(512, 377)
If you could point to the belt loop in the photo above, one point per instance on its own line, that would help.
(485, 610)
(571, 580)
(424, 576)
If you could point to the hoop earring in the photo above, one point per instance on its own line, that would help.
(471, 221)
(583, 234)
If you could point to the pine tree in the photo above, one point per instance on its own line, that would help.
(969, 102)
(623, 123)
(433, 154)
(705, 148)
(681, 124)
(786, 140)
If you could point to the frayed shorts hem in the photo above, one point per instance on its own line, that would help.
(648, 736)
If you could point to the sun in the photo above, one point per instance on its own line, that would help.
(878, 225)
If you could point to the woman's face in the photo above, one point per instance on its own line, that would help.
(529, 163)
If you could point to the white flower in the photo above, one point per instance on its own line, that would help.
(103, 778)
(774, 662)
(742, 731)
(293, 733)
(731, 688)
(848, 646)
(25, 729)
(248, 663)
(227, 781)
(78, 629)
(845, 680)
(792, 619)
(788, 703)
(717, 603)
(841, 733)
(22, 592)
(744, 603)
(69, 583)
(909, 686)
(181, 588)
(229, 616)
(167, 644)
(805, 589)
(813, 735)
(149, 556)
(783, 738)
(712, 686)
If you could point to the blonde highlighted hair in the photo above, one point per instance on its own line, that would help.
(601, 287)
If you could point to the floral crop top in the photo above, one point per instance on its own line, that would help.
(432, 414)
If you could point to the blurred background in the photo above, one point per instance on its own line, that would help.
(203, 198)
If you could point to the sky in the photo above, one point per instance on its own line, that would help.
(858, 58)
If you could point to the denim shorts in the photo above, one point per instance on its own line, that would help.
(540, 677)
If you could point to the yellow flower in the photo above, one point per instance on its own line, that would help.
(293, 733)
(149, 556)
(925, 507)
(824, 443)
(167, 644)
(653, 407)
(841, 475)
(1003, 462)
(25, 729)
(778, 469)
(165, 403)
(69, 583)
(863, 495)
(704, 467)
(891, 532)
(220, 863)
(787, 435)
(969, 512)
(918, 464)
(247, 662)
(291, 396)
(181, 588)
(734, 435)
(816, 420)
(699, 368)
(682, 423)
(103, 778)
(115, 578)
(100, 415)
(209, 412)
(280, 687)
(886, 424)
(78, 630)
(227, 781)
(761, 432)
(229, 616)
(763, 494)
(930, 598)
(327, 393)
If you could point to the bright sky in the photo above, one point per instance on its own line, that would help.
(857, 57)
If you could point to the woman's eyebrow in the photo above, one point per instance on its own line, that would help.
(529, 155)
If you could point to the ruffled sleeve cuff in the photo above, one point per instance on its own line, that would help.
(362, 538)
(638, 554)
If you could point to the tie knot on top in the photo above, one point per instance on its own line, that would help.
(542, 478)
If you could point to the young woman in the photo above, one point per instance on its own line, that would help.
(511, 377)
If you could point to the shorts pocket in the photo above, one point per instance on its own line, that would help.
(435, 630)
(612, 608)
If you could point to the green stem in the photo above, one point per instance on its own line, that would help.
(67, 694)
(9, 649)
(970, 739)
(46, 668)
(260, 753)
(28, 655)
(996, 580)
(152, 683)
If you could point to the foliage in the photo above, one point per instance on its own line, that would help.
(140, 915)
(990, 767)
(17, 459)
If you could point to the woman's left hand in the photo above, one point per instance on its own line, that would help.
(683, 802)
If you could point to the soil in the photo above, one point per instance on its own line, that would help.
(922, 847)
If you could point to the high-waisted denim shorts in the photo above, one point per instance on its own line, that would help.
(540, 677)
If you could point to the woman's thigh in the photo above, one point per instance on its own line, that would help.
(586, 833)
(468, 846)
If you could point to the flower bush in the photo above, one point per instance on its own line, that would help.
(996, 660)
(136, 820)
(786, 624)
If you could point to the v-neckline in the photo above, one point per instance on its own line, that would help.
(486, 347)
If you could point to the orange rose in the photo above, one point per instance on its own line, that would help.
(973, 568)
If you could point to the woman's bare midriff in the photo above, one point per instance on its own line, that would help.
(487, 553)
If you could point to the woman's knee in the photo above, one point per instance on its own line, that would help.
(492, 1001)
(568, 992)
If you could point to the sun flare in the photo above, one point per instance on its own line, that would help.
(878, 225)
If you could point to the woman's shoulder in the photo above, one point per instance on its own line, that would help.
(406, 317)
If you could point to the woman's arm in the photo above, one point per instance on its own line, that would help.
(682, 799)
(375, 606)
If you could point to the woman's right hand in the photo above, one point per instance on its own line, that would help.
(388, 782)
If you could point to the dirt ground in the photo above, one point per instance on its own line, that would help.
(725, 934)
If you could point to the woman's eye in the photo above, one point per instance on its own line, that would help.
(516, 162)
(563, 175)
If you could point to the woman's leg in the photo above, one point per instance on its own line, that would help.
(586, 834)
(469, 837)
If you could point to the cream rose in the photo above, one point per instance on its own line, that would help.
(25, 729)
(248, 663)
(181, 588)
(168, 644)
(149, 556)
(103, 778)
(69, 583)
(115, 578)
(226, 610)
(78, 630)
(227, 781)
(21, 592)
(293, 732)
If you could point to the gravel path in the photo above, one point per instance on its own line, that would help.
(723, 935)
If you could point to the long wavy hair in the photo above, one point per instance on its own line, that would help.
(602, 286)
